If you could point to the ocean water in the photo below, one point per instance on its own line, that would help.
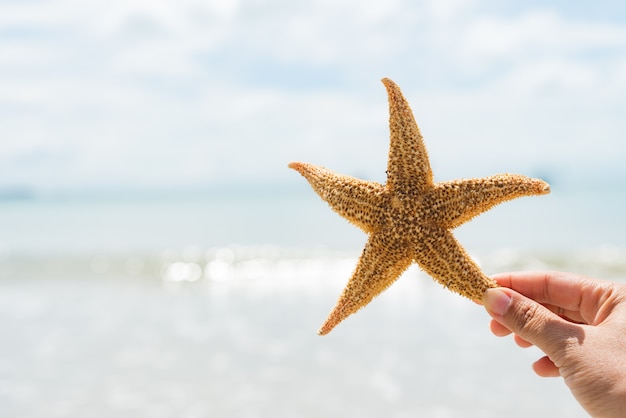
(207, 305)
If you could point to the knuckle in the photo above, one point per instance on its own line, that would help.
(527, 316)
(556, 337)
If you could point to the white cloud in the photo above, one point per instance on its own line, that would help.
(443, 10)
(151, 93)
(534, 35)
(538, 32)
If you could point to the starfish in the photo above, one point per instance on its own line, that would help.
(409, 218)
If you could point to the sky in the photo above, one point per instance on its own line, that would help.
(171, 95)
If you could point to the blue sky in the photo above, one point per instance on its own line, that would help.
(163, 94)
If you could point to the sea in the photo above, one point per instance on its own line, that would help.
(206, 304)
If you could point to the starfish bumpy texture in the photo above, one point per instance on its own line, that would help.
(409, 218)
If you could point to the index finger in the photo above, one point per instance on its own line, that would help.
(561, 290)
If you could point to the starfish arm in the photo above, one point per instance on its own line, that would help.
(383, 260)
(358, 201)
(458, 201)
(410, 218)
(441, 256)
(408, 168)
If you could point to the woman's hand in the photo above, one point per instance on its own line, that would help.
(579, 323)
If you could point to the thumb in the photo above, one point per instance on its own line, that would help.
(531, 321)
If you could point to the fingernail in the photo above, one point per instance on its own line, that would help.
(496, 301)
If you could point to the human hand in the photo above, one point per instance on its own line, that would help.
(578, 322)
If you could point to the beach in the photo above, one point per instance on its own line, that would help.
(207, 305)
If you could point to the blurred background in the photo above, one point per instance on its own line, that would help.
(159, 259)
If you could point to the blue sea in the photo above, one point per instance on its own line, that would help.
(207, 303)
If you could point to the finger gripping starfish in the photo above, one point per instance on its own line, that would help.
(409, 218)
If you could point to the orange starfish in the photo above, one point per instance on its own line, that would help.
(409, 218)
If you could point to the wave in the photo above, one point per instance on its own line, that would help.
(272, 263)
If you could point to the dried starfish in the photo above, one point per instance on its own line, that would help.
(410, 217)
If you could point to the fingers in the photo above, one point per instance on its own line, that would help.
(500, 330)
(544, 367)
(522, 342)
(576, 298)
(562, 290)
(530, 321)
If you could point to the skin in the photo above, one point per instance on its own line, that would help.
(578, 322)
